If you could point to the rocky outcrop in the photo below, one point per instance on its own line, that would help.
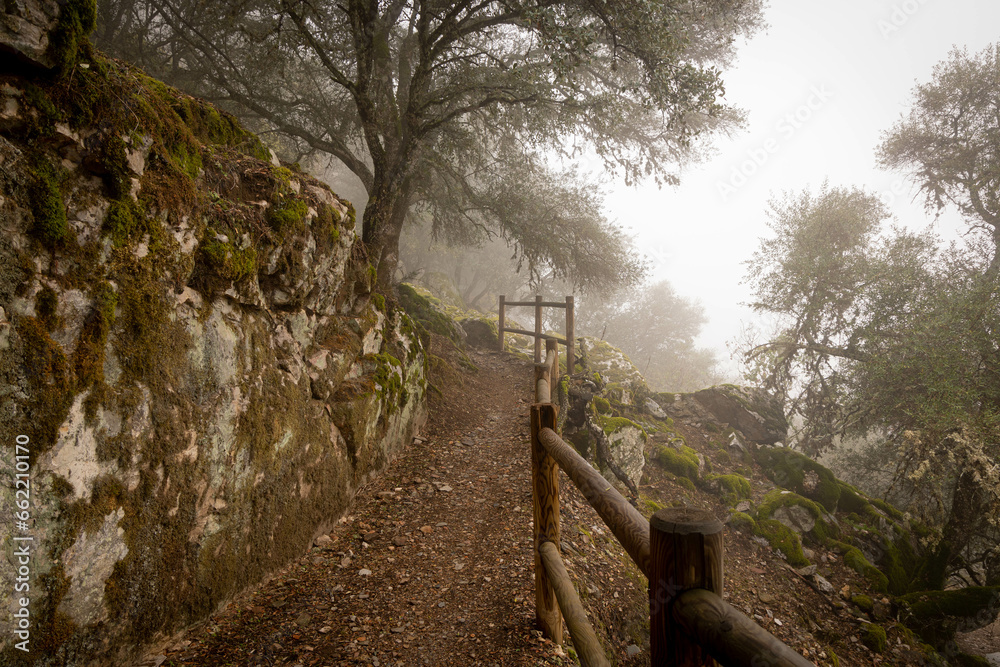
(758, 416)
(480, 332)
(45, 33)
(191, 356)
(26, 27)
(593, 420)
(616, 369)
(626, 446)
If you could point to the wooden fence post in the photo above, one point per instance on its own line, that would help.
(500, 323)
(686, 551)
(538, 328)
(552, 345)
(545, 496)
(570, 334)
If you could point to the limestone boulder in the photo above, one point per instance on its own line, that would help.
(796, 517)
(757, 415)
(625, 447)
(26, 29)
(480, 333)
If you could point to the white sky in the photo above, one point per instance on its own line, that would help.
(856, 62)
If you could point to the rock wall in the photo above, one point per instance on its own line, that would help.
(191, 357)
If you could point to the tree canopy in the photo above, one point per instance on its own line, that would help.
(893, 335)
(890, 335)
(458, 107)
(950, 141)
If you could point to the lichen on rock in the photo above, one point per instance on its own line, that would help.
(198, 361)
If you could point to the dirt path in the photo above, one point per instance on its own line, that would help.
(431, 567)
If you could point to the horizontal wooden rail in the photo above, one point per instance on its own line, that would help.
(628, 525)
(728, 635)
(680, 550)
(588, 647)
(525, 332)
(545, 304)
(537, 334)
(546, 372)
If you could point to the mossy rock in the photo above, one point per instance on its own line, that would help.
(613, 365)
(614, 424)
(685, 483)
(602, 405)
(856, 560)
(50, 226)
(851, 499)
(873, 636)
(937, 615)
(651, 506)
(76, 21)
(742, 521)
(759, 416)
(421, 308)
(966, 660)
(480, 332)
(863, 602)
(792, 470)
(683, 462)
(777, 498)
(287, 215)
(731, 488)
(784, 540)
(893, 513)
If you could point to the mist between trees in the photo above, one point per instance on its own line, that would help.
(654, 326)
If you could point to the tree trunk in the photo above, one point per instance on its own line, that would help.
(385, 214)
(963, 521)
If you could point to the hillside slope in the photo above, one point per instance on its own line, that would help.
(433, 564)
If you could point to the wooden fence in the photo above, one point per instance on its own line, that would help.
(537, 334)
(680, 551)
